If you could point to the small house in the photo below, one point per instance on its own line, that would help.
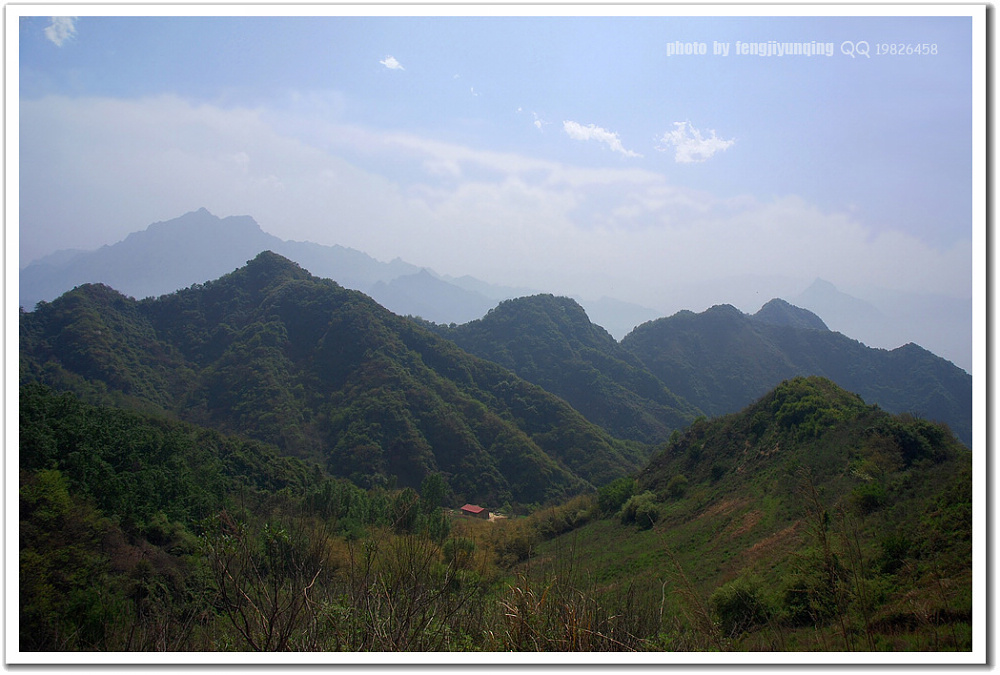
(475, 511)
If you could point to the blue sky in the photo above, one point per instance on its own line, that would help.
(570, 154)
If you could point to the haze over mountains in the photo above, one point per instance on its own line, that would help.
(199, 246)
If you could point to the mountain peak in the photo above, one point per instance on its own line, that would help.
(778, 312)
(723, 310)
(558, 310)
(822, 285)
(203, 218)
(268, 267)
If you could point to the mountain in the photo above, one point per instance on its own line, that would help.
(190, 249)
(551, 342)
(777, 312)
(324, 373)
(809, 521)
(824, 298)
(495, 292)
(777, 527)
(199, 246)
(162, 258)
(348, 267)
(722, 359)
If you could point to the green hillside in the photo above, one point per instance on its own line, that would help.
(551, 342)
(808, 521)
(324, 374)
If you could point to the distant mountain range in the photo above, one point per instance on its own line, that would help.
(668, 369)
(889, 319)
(198, 246)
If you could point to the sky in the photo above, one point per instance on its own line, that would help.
(585, 155)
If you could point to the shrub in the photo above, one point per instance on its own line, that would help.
(641, 510)
(869, 497)
(717, 472)
(741, 605)
(677, 486)
(611, 497)
(895, 548)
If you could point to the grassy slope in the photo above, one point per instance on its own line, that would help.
(891, 498)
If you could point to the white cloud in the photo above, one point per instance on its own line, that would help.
(61, 29)
(593, 132)
(689, 144)
(391, 63)
(89, 163)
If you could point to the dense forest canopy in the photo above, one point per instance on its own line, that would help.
(326, 374)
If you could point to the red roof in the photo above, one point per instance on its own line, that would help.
(472, 508)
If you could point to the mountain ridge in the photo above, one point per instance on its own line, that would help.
(722, 359)
(197, 246)
(550, 340)
(325, 373)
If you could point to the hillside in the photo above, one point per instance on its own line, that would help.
(551, 342)
(810, 520)
(274, 353)
(141, 533)
(722, 359)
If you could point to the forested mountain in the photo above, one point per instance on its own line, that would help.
(260, 462)
(274, 353)
(722, 359)
(551, 342)
(778, 312)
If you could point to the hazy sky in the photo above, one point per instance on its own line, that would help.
(570, 154)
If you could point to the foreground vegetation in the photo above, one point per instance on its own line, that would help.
(809, 521)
